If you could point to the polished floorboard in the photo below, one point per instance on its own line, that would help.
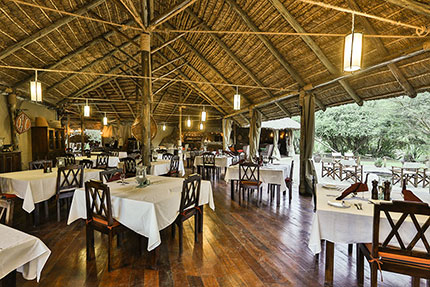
(246, 245)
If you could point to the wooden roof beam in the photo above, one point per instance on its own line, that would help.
(417, 7)
(315, 48)
(234, 57)
(45, 31)
(398, 75)
(132, 11)
(111, 105)
(121, 92)
(171, 13)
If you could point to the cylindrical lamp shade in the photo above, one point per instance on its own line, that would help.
(105, 121)
(201, 126)
(86, 111)
(188, 123)
(36, 91)
(353, 51)
(236, 102)
(204, 115)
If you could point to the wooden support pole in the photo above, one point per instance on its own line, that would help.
(11, 100)
(82, 134)
(68, 131)
(180, 126)
(146, 98)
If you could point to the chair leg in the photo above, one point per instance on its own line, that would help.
(110, 237)
(58, 210)
(290, 192)
(173, 230)
(90, 242)
(181, 233)
(201, 220)
(360, 265)
(350, 249)
(373, 274)
(196, 227)
(46, 205)
(416, 281)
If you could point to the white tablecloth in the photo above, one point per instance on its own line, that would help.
(23, 252)
(350, 225)
(144, 210)
(221, 161)
(275, 174)
(34, 186)
(113, 160)
(161, 167)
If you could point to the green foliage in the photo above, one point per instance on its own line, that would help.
(397, 128)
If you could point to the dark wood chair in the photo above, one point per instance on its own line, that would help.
(289, 182)
(167, 156)
(189, 207)
(99, 217)
(86, 163)
(110, 175)
(208, 168)
(39, 164)
(249, 180)
(102, 161)
(6, 211)
(174, 167)
(349, 169)
(87, 152)
(401, 258)
(69, 159)
(69, 178)
(129, 166)
(114, 153)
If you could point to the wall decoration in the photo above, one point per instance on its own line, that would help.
(22, 123)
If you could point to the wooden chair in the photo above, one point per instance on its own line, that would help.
(69, 159)
(69, 178)
(327, 168)
(129, 166)
(426, 177)
(110, 174)
(402, 258)
(289, 182)
(39, 164)
(189, 207)
(167, 156)
(174, 167)
(268, 152)
(86, 163)
(6, 211)
(349, 169)
(114, 153)
(249, 180)
(209, 169)
(410, 171)
(99, 217)
(87, 152)
(102, 161)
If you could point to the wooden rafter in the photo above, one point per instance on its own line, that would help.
(131, 9)
(417, 7)
(398, 75)
(45, 31)
(105, 97)
(171, 13)
(121, 92)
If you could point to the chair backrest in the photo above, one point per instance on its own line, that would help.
(348, 162)
(98, 202)
(102, 160)
(292, 169)
(114, 153)
(249, 171)
(208, 159)
(69, 159)
(190, 192)
(326, 160)
(129, 166)
(269, 150)
(110, 175)
(401, 210)
(6, 211)
(39, 164)
(69, 178)
(167, 156)
(86, 163)
(174, 165)
(412, 165)
(336, 155)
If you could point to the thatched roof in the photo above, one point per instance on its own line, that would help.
(38, 38)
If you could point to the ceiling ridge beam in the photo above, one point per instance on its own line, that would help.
(160, 19)
(412, 5)
(315, 48)
(235, 59)
(398, 75)
(45, 31)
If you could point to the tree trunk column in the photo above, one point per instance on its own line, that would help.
(11, 100)
(146, 97)
(307, 131)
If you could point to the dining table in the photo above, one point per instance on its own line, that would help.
(112, 162)
(35, 186)
(221, 161)
(162, 166)
(145, 210)
(271, 173)
(350, 221)
(20, 252)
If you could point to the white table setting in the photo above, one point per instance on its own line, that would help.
(34, 186)
(221, 161)
(271, 173)
(350, 220)
(145, 210)
(112, 162)
(22, 252)
(161, 167)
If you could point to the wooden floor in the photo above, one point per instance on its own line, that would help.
(240, 246)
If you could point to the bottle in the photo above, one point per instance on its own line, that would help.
(387, 190)
(375, 189)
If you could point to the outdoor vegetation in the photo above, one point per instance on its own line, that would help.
(397, 128)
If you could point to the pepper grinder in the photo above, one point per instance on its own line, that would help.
(387, 190)
(375, 189)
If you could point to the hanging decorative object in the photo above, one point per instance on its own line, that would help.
(136, 129)
(22, 123)
(201, 126)
(189, 122)
(236, 100)
(86, 109)
(204, 115)
(36, 89)
(105, 120)
(353, 49)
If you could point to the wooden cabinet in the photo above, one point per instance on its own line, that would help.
(10, 161)
(47, 143)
